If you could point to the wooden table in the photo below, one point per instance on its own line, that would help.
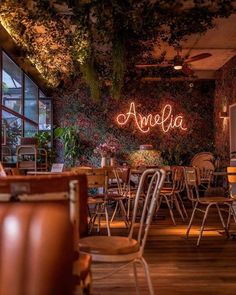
(43, 173)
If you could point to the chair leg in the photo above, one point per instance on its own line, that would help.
(128, 207)
(178, 207)
(114, 212)
(203, 224)
(229, 217)
(191, 220)
(158, 204)
(147, 274)
(170, 209)
(182, 204)
(136, 277)
(107, 220)
(123, 212)
(233, 213)
(222, 221)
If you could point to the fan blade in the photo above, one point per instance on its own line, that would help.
(198, 57)
(143, 66)
(187, 70)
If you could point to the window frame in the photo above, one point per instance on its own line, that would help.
(18, 115)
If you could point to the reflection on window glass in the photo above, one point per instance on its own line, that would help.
(11, 84)
(30, 130)
(11, 131)
(44, 114)
(31, 98)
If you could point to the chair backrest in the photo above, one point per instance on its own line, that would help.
(191, 182)
(122, 175)
(49, 184)
(178, 178)
(97, 177)
(155, 179)
(231, 177)
(231, 180)
(36, 250)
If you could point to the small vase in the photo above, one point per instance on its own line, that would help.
(112, 162)
(103, 162)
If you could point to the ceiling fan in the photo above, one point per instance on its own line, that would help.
(178, 63)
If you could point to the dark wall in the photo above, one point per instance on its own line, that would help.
(225, 95)
(98, 121)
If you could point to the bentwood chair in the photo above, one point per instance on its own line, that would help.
(203, 204)
(127, 250)
(172, 194)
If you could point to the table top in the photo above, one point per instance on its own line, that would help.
(216, 173)
(42, 173)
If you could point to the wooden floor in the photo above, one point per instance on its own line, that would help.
(177, 266)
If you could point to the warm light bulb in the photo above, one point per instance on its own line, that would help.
(178, 67)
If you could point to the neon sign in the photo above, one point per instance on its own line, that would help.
(166, 120)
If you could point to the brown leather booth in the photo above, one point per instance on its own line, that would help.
(33, 238)
(36, 242)
(50, 184)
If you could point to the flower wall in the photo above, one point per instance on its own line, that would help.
(225, 95)
(97, 122)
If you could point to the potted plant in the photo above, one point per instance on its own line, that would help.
(70, 139)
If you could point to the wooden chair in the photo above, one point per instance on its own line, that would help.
(204, 162)
(171, 194)
(127, 250)
(203, 204)
(51, 189)
(101, 180)
(118, 180)
(97, 178)
(232, 180)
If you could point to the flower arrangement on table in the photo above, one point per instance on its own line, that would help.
(108, 149)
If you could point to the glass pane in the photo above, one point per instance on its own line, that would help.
(31, 100)
(11, 84)
(42, 95)
(30, 130)
(45, 114)
(11, 134)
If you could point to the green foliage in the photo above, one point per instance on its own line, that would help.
(91, 79)
(44, 141)
(91, 34)
(71, 142)
(119, 66)
(43, 138)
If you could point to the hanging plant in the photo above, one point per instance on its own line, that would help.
(119, 66)
(58, 35)
(91, 78)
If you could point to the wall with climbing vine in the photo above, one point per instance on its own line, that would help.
(225, 95)
(97, 121)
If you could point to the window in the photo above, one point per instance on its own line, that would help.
(24, 108)
(11, 85)
(12, 132)
(45, 110)
(31, 100)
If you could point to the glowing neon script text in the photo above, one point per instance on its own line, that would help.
(166, 119)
